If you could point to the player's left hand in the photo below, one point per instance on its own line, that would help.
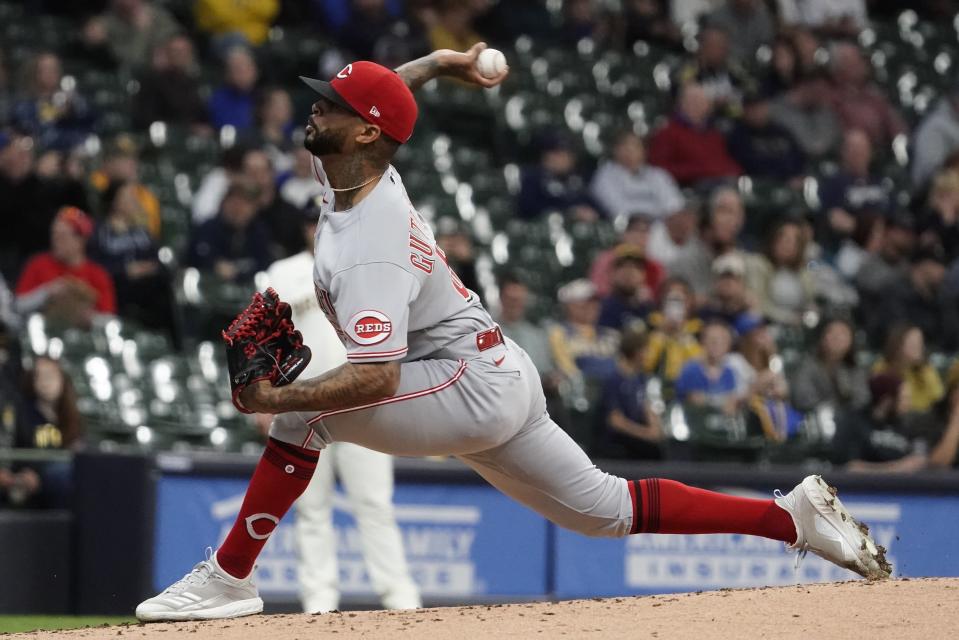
(462, 65)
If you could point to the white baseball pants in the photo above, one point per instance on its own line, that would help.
(367, 477)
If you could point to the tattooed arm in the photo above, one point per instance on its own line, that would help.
(349, 385)
(446, 62)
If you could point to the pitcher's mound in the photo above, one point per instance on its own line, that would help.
(901, 609)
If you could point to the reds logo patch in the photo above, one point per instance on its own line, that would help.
(345, 72)
(369, 327)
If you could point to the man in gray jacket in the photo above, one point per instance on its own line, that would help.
(936, 137)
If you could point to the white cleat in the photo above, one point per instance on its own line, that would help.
(206, 593)
(826, 528)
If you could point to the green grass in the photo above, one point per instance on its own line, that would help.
(14, 624)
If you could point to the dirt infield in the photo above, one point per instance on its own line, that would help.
(901, 609)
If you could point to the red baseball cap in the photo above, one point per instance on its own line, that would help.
(79, 221)
(375, 94)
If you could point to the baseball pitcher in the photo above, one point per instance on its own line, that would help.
(429, 373)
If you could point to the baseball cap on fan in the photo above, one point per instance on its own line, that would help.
(374, 93)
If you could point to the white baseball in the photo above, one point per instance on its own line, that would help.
(491, 63)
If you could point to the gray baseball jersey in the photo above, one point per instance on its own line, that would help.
(385, 285)
(464, 390)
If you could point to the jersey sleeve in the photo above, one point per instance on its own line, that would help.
(372, 304)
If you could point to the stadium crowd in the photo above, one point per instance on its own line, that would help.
(838, 316)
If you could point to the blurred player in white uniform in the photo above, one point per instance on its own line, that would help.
(367, 476)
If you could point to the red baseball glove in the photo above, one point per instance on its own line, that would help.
(263, 344)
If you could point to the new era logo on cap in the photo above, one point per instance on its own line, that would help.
(376, 94)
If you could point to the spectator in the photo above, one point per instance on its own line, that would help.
(48, 420)
(55, 114)
(649, 21)
(783, 72)
(130, 30)
(170, 89)
(920, 300)
(884, 268)
(936, 138)
(749, 26)
(235, 22)
(720, 232)
(300, 186)
(234, 245)
(635, 235)
(68, 286)
(121, 164)
(584, 19)
(123, 245)
(625, 184)
(689, 147)
(810, 54)
(760, 381)
(858, 101)
(213, 186)
(282, 218)
(780, 277)
(30, 196)
(939, 224)
(555, 184)
(673, 330)
(805, 111)
(630, 298)
(880, 441)
(729, 298)
(905, 357)
(833, 18)
(853, 191)
(709, 380)
(455, 241)
(369, 23)
(232, 102)
(533, 339)
(274, 128)
(714, 69)
(830, 375)
(669, 236)
(763, 148)
(453, 27)
(581, 348)
(632, 429)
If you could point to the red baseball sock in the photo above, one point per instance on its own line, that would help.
(667, 506)
(280, 477)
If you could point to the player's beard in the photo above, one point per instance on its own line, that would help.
(325, 143)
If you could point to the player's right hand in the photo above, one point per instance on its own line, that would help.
(462, 65)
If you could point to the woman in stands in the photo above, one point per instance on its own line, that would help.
(123, 245)
(780, 277)
(48, 419)
(905, 356)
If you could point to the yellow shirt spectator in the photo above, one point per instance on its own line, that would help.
(667, 353)
(925, 384)
(252, 18)
(148, 202)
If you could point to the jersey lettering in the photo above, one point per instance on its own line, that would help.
(421, 249)
(457, 283)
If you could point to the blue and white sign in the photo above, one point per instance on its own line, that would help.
(459, 540)
(917, 531)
